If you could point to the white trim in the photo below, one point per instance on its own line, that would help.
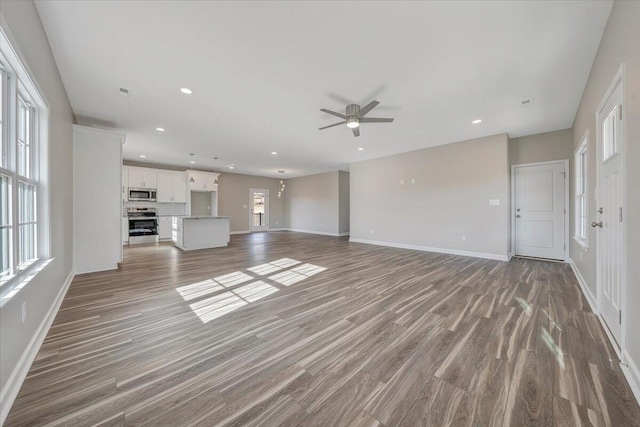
(240, 232)
(102, 132)
(322, 233)
(583, 147)
(591, 299)
(14, 382)
(278, 229)
(632, 373)
(510, 255)
(431, 249)
(567, 202)
(620, 78)
(344, 233)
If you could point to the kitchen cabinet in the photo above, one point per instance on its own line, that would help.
(203, 181)
(164, 228)
(139, 178)
(172, 187)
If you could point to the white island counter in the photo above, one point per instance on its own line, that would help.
(200, 232)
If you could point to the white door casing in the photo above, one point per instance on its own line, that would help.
(540, 210)
(258, 214)
(609, 225)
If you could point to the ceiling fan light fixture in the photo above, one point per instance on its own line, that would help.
(353, 123)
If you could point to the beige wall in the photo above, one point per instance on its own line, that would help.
(200, 203)
(450, 197)
(313, 203)
(543, 147)
(25, 28)
(343, 202)
(620, 44)
(233, 196)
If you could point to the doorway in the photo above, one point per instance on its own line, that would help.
(609, 223)
(259, 209)
(539, 204)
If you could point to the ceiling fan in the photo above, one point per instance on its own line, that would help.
(356, 115)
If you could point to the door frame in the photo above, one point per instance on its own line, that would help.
(619, 79)
(512, 209)
(266, 192)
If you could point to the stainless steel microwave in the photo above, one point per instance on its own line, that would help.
(142, 194)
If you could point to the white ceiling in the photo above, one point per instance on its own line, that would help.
(260, 72)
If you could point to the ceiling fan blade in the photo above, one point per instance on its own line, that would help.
(364, 110)
(356, 131)
(335, 124)
(375, 120)
(324, 110)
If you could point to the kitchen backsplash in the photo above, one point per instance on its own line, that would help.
(163, 209)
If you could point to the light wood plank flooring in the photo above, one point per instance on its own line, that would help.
(293, 329)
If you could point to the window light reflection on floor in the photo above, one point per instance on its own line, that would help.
(234, 298)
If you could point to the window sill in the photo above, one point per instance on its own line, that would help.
(12, 286)
(581, 243)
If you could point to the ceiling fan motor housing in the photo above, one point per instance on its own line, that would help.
(352, 109)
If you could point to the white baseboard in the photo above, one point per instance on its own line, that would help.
(631, 371)
(585, 289)
(344, 233)
(278, 229)
(431, 249)
(509, 256)
(240, 232)
(14, 383)
(323, 233)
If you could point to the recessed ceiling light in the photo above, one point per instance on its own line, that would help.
(476, 121)
(143, 156)
(160, 129)
(186, 91)
(232, 167)
(274, 152)
(361, 149)
(192, 162)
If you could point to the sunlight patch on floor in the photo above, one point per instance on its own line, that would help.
(233, 299)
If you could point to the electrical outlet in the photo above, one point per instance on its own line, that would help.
(464, 238)
(24, 312)
(276, 222)
(373, 232)
(413, 180)
(402, 182)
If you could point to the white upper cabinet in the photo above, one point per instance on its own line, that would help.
(203, 181)
(172, 187)
(139, 178)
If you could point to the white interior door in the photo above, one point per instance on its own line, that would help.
(540, 210)
(610, 257)
(259, 209)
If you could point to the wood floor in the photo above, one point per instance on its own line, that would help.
(292, 329)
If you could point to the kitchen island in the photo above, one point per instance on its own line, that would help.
(200, 232)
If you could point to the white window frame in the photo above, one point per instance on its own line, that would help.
(581, 205)
(17, 82)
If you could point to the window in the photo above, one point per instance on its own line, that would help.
(581, 161)
(23, 113)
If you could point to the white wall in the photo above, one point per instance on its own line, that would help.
(312, 203)
(620, 43)
(97, 202)
(23, 24)
(450, 198)
(344, 188)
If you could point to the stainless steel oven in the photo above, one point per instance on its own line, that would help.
(143, 225)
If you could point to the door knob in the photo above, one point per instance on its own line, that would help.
(517, 216)
(596, 224)
(600, 210)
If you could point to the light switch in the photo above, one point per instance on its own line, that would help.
(402, 182)
(494, 202)
(413, 180)
(244, 206)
